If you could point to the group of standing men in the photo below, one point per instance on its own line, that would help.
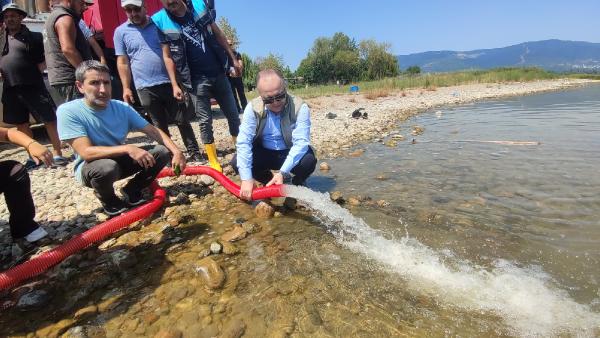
(177, 52)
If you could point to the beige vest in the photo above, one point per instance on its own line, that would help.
(288, 117)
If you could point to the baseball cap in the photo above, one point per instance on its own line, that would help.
(89, 2)
(12, 6)
(137, 3)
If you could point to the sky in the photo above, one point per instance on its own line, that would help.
(289, 28)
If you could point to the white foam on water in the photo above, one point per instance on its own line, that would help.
(524, 297)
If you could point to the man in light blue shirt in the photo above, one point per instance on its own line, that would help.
(139, 52)
(96, 127)
(274, 135)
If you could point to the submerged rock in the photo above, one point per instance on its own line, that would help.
(324, 166)
(251, 228)
(236, 234)
(33, 299)
(357, 153)
(264, 210)
(215, 248)
(211, 272)
(230, 249)
(337, 197)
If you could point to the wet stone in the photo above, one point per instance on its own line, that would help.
(324, 166)
(251, 228)
(230, 249)
(337, 197)
(264, 210)
(236, 234)
(211, 272)
(33, 299)
(168, 334)
(215, 248)
(233, 329)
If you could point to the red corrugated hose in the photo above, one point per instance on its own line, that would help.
(48, 259)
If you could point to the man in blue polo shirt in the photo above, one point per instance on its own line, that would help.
(139, 52)
(96, 127)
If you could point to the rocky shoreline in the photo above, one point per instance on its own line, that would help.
(196, 237)
(65, 208)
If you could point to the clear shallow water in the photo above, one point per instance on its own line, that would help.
(479, 239)
(519, 223)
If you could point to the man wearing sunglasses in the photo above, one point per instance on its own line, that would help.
(274, 135)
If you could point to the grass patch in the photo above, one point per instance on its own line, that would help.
(430, 82)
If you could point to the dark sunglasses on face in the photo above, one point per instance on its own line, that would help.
(270, 99)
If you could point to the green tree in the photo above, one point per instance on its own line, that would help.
(271, 61)
(330, 59)
(229, 31)
(413, 70)
(250, 71)
(377, 61)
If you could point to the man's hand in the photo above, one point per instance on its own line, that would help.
(141, 156)
(178, 160)
(177, 93)
(128, 96)
(246, 189)
(237, 66)
(277, 179)
(39, 153)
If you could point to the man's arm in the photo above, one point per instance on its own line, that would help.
(125, 75)
(172, 71)
(66, 30)
(222, 40)
(244, 152)
(300, 143)
(164, 139)
(97, 49)
(36, 150)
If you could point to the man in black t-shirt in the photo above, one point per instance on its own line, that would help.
(24, 91)
(237, 84)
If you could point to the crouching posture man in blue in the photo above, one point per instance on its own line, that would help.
(96, 128)
(274, 135)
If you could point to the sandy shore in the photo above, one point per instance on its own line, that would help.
(65, 208)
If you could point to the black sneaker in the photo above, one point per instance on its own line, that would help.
(115, 208)
(195, 157)
(133, 198)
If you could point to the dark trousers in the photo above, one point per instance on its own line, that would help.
(237, 87)
(101, 174)
(219, 88)
(158, 101)
(17, 194)
(265, 160)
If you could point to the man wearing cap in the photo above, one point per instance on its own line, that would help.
(65, 46)
(89, 35)
(139, 53)
(197, 57)
(24, 91)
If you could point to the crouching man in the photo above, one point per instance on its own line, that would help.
(96, 127)
(274, 135)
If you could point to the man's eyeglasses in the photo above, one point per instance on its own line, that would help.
(279, 97)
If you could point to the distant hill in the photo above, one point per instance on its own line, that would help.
(554, 55)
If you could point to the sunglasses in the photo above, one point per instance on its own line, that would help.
(279, 97)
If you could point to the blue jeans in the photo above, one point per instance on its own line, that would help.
(219, 88)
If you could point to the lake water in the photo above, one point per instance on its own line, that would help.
(475, 239)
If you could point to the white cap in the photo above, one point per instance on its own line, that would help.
(137, 3)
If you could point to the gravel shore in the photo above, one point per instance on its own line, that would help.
(65, 208)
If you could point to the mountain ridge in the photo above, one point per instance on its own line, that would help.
(554, 55)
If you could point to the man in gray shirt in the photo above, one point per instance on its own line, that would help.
(65, 46)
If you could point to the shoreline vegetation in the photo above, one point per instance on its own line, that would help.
(431, 81)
